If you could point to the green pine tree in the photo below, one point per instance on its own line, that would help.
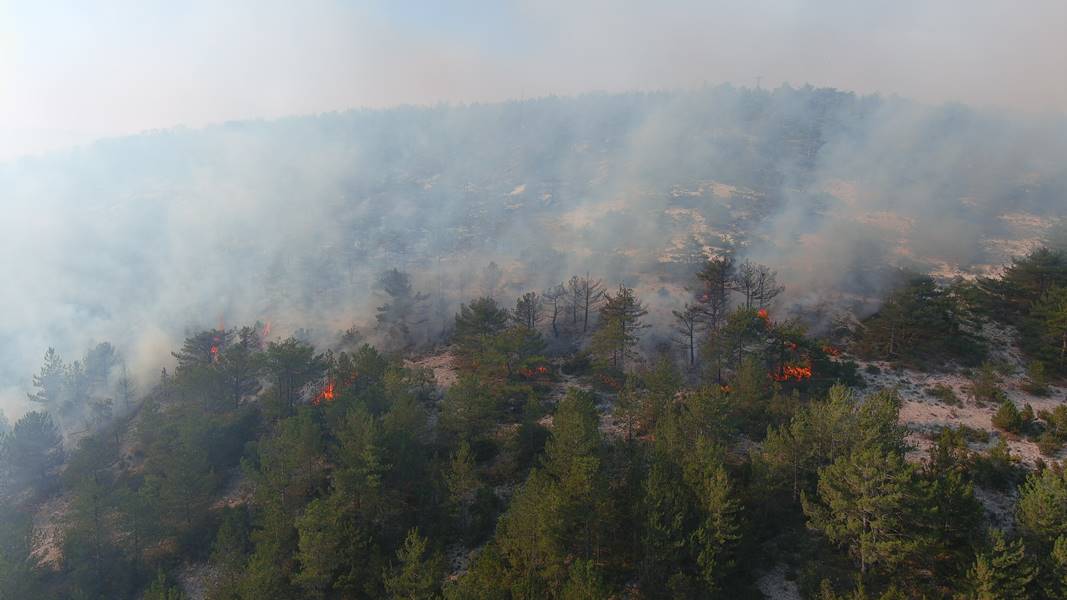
(418, 572)
(863, 504)
(161, 590)
(1003, 573)
(1042, 507)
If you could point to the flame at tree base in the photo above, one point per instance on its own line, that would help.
(535, 372)
(793, 373)
(326, 395)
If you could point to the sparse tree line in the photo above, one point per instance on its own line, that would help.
(290, 472)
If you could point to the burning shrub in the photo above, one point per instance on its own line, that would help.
(793, 373)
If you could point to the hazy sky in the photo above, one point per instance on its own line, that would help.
(74, 71)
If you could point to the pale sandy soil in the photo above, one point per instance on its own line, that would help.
(1004, 249)
(888, 221)
(713, 188)
(845, 191)
(924, 414)
(1027, 222)
(443, 366)
(47, 532)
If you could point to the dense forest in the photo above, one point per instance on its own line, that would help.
(536, 449)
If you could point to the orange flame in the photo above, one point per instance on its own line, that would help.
(326, 395)
(266, 330)
(535, 372)
(793, 372)
(763, 314)
(610, 382)
(831, 350)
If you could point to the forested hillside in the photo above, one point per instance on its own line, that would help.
(146, 239)
(536, 449)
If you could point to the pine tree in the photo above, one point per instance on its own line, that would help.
(418, 573)
(35, 450)
(18, 566)
(1007, 417)
(161, 590)
(292, 364)
(229, 552)
(555, 515)
(477, 323)
(717, 279)
(587, 294)
(1004, 573)
(290, 465)
(585, 583)
(334, 548)
(687, 322)
(766, 287)
(1056, 586)
(554, 298)
(486, 579)
(666, 524)
(621, 321)
(718, 528)
(863, 504)
(1047, 328)
(462, 482)
(746, 281)
(241, 363)
(949, 509)
(528, 311)
(403, 309)
(88, 547)
(49, 381)
(1025, 281)
(181, 471)
(202, 349)
(469, 409)
(1042, 507)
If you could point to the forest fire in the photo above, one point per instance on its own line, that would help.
(793, 373)
(763, 314)
(539, 371)
(610, 382)
(326, 395)
(831, 350)
(216, 342)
